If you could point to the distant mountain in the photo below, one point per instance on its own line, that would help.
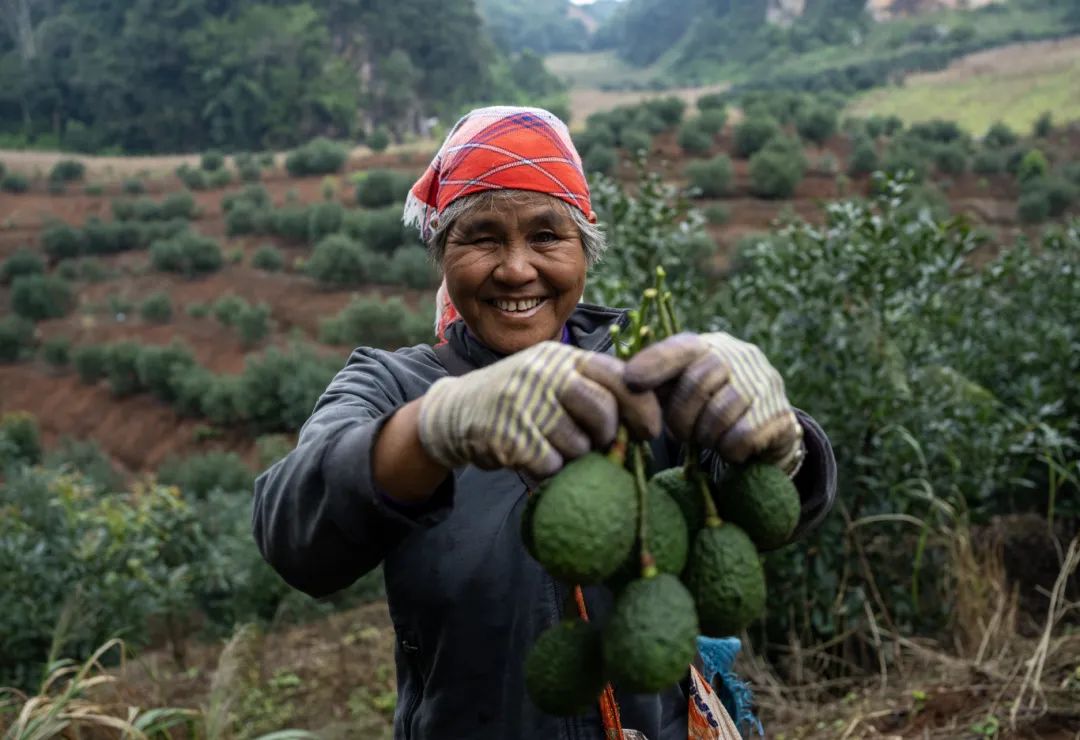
(542, 26)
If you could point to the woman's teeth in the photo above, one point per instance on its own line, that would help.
(519, 305)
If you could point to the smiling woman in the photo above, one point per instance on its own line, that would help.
(418, 459)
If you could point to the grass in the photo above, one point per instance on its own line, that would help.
(1013, 84)
(596, 69)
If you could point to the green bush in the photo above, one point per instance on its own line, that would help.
(158, 366)
(112, 237)
(61, 241)
(999, 136)
(255, 195)
(988, 163)
(14, 182)
(22, 262)
(20, 440)
(187, 254)
(668, 109)
(816, 123)
(906, 156)
(242, 218)
(411, 267)
(324, 219)
(319, 156)
(950, 159)
(193, 179)
(1044, 124)
(279, 388)
(200, 475)
(268, 258)
(133, 186)
(712, 101)
(635, 140)
(600, 159)
(693, 139)
(379, 139)
(157, 308)
(38, 297)
(219, 179)
(122, 368)
(85, 458)
(385, 323)
(717, 214)
(710, 178)
(16, 338)
(1057, 193)
(864, 158)
(57, 351)
(212, 161)
(712, 120)
(937, 131)
(777, 169)
(252, 323)
(752, 134)
(379, 188)
(177, 206)
(596, 134)
(382, 230)
(249, 172)
(290, 223)
(67, 170)
(90, 361)
(1032, 166)
(338, 260)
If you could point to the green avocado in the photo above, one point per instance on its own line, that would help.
(585, 522)
(564, 670)
(685, 494)
(762, 500)
(651, 635)
(667, 537)
(725, 576)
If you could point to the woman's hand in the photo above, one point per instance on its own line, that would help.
(723, 394)
(533, 410)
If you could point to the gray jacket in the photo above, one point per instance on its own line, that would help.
(465, 598)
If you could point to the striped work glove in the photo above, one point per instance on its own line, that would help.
(533, 410)
(723, 394)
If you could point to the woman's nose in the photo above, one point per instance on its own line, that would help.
(515, 266)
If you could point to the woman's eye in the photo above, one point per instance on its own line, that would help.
(545, 237)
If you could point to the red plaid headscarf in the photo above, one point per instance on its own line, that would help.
(496, 148)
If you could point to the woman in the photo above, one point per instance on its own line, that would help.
(421, 459)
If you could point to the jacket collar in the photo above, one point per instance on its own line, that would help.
(588, 326)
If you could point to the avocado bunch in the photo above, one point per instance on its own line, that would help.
(680, 555)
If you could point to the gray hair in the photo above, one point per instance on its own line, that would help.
(593, 240)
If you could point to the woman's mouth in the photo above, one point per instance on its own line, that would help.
(520, 308)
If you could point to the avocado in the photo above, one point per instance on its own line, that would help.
(685, 494)
(762, 500)
(725, 576)
(651, 635)
(564, 671)
(584, 524)
(667, 537)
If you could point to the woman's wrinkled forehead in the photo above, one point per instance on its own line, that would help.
(507, 209)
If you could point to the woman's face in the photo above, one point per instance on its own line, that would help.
(515, 271)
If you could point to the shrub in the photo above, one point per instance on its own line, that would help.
(85, 458)
(753, 133)
(241, 218)
(177, 206)
(199, 475)
(156, 308)
(252, 323)
(816, 123)
(94, 189)
(227, 308)
(268, 258)
(38, 297)
(379, 139)
(111, 237)
(319, 156)
(712, 120)
(219, 179)
(905, 156)
(950, 159)
(157, 367)
(16, 338)
(1044, 124)
(382, 230)
(717, 214)
(279, 388)
(776, 169)
(22, 262)
(57, 351)
(61, 241)
(289, 222)
(1058, 192)
(133, 186)
(411, 267)
(595, 134)
(379, 188)
(67, 170)
(988, 163)
(90, 361)
(937, 131)
(324, 219)
(635, 140)
(338, 260)
(711, 177)
(194, 179)
(249, 172)
(864, 158)
(212, 161)
(372, 322)
(999, 136)
(20, 440)
(122, 368)
(668, 109)
(712, 101)
(1032, 166)
(188, 254)
(15, 182)
(600, 159)
(693, 139)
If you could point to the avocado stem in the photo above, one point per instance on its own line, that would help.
(617, 453)
(648, 562)
(694, 474)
